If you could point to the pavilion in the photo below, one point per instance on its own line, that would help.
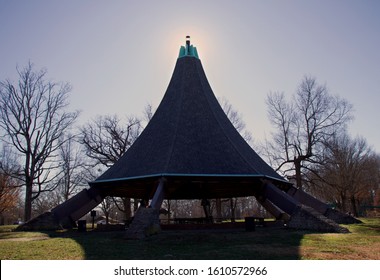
(191, 150)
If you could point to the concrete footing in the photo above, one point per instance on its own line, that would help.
(46, 221)
(145, 223)
(307, 218)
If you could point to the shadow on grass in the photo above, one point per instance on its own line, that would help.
(264, 243)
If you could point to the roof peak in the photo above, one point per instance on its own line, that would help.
(188, 50)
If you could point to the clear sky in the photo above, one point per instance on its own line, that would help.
(120, 55)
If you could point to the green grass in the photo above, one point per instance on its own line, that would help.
(264, 243)
(362, 243)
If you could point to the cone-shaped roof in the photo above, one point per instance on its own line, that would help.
(189, 138)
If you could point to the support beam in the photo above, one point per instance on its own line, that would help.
(159, 195)
(78, 206)
(279, 198)
(274, 210)
(301, 216)
(206, 208)
(65, 214)
(321, 207)
(308, 200)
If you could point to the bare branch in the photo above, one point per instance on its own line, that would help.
(106, 139)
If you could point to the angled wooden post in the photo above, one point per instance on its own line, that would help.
(158, 197)
(321, 207)
(273, 209)
(279, 198)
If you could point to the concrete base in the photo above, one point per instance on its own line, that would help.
(46, 221)
(307, 218)
(145, 223)
(341, 218)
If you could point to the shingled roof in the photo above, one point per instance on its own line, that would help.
(189, 138)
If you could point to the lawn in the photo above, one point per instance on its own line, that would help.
(265, 243)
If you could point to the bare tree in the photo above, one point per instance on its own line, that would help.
(46, 201)
(33, 117)
(186, 208)
(106, 139)
(8, 164)
(302, 125)
(148, 113)
(9, 184)
(107, 206)
(9, 193)
(350, 173)
(72, 168)
(236, 119)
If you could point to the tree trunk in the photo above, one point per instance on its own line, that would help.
(107, 215)
(169, 215)
(127, 208)
(354, 207)
(344, 202)
(232, 210)
(297, 166)
(28, 200)
(218, 203)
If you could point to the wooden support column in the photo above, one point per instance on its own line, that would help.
(77, 206)
(274, 210)
(158, 197)
(206, 208)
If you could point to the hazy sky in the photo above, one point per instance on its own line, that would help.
(120, 55)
